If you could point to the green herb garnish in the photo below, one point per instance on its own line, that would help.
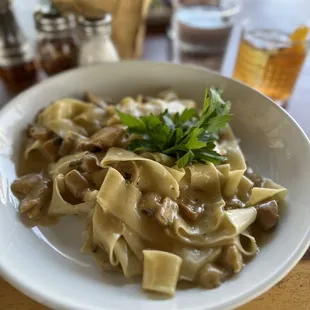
(188, 137)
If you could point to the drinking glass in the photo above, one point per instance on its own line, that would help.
(270, 59)
(201, 29)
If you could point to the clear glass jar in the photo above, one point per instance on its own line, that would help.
(56, 41)
(200, 30)
(96, 45)
(17, 63)
(204, 25)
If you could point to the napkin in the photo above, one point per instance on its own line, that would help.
(128, 23)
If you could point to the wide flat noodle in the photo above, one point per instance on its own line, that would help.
(223, 173)
(65, 115)
(92, 119)
(62, 166)
(232, 183)
(136, 244)
(107, 233)
(269, 191)
(244, 188)
(208, 223)
(160, 158)
(130, 265)
(232, 224)
(152, 175)
(229, 147)
(224, 169)
(63, 126)
(160, 271)
(126, 208)
(63, 108)
(35, 146)
(102, 259)
(246, 244)
(193, 259)
(202, 183)
(59, 206)
(206, 179)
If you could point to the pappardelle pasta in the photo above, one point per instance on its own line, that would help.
(166, 193)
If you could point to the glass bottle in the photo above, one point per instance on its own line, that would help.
(17, 65)
(96, 45)
(56, 42)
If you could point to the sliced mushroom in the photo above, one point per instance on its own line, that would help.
(231, 258)
(32, 207)
(70, 143)
(267, 214)
(190, 207)
(150, 203)
(234, 203)
(128, 169)
(90, 121)
(37, 199)
(97, 177)
(164, 210)
(77, 184)
(90, 163)
(255, 178)
(212, 276)
(22, 186)
(76, 164)
(103, 139)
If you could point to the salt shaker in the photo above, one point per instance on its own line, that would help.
(96, 45)
(17, 65)
(56, 41)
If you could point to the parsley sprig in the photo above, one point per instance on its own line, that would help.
(188, 137)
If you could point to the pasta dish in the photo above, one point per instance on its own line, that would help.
(164, 189)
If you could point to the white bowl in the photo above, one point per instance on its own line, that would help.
(45, 262)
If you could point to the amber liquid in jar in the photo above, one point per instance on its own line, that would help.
(57, 54)
(20, 76)
(269, 62)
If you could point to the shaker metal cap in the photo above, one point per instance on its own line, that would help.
(48, 19)
(95, 25)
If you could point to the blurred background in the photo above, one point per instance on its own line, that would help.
(263, 43)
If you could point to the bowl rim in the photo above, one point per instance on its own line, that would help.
(61, 302)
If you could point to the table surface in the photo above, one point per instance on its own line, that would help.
(293, 291)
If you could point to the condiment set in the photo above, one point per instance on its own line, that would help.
(63, 42)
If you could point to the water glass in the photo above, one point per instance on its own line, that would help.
(200, 30)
